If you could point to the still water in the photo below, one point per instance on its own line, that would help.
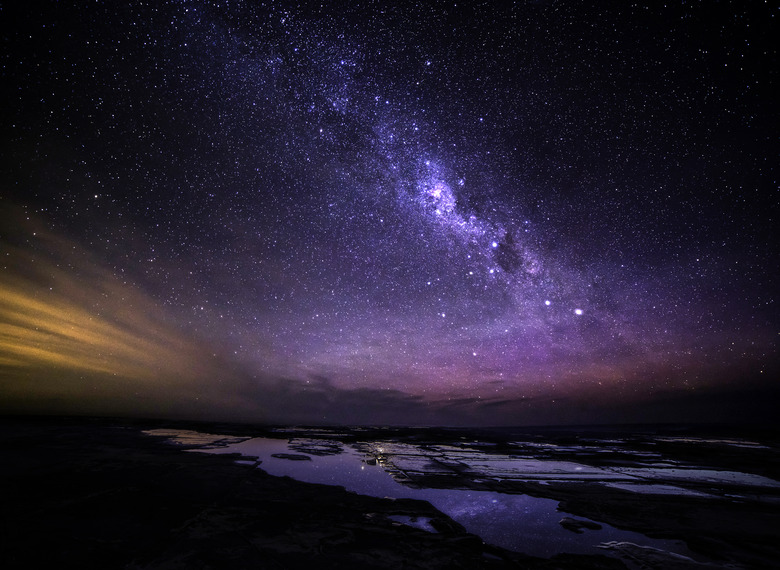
(516, 522)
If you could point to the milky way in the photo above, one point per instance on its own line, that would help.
(538, 213)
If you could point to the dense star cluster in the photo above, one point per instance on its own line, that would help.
(529, 212)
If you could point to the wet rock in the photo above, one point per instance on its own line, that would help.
(648, 557)
(318, 447)
(291, 456)
(578, 525)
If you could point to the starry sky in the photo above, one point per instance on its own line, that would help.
(467, 213)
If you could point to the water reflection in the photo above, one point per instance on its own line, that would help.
(517, 522)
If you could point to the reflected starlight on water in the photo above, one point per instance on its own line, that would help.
(516, 522)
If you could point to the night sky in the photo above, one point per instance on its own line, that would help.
(468, 213)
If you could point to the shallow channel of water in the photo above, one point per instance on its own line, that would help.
(516, 522)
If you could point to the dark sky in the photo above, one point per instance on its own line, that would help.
(473, 213)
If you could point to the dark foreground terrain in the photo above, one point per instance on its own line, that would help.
(79, 493)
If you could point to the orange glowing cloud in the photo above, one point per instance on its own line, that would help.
(74, 336)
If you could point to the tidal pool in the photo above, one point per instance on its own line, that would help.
(516, 522)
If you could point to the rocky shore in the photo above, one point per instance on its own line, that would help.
(97, 493)
(100, 494)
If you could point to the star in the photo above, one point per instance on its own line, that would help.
(307, 200)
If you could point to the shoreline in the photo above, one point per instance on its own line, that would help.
(87, 490)
(108, 496)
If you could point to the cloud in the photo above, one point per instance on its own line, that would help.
(75, 337)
